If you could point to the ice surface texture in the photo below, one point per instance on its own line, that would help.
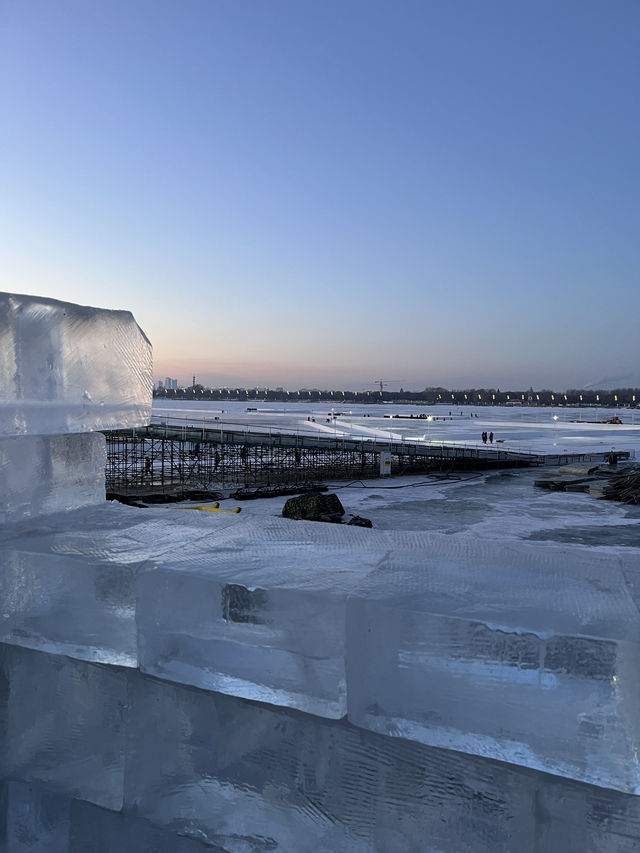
(67, 582)
(69, 368)
(34, 819)
(39, 820)
(185, 766)
(46, 474)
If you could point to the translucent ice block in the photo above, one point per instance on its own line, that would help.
(263, 620)
(113, 532)
(525, 654)
(70, 368)
(250, 777)
(233, 775)
(68, 604)
(64, 724)
(45, 474)
(67, 580)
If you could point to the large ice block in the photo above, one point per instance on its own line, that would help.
(70, 368)
(117, 533)
(527, 654)
(69, 604)
(263, 620)
(232, 775)
(62, 723)
(67, 582)
(251, 777)
(45, 474)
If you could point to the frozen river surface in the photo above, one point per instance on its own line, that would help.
(501, 506)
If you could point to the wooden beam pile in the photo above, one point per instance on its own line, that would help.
(623, 487)
(604, 482)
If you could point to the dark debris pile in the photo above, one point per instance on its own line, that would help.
(606, 482)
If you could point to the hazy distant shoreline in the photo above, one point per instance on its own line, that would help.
(616, 398)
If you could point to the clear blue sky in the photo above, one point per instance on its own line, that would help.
(324, 193)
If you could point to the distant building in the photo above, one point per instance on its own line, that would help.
(171, 384)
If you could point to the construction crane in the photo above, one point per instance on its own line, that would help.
(383, 382)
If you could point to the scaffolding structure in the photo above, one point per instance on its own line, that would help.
(140, 463)
(168, 464)
(168, 458)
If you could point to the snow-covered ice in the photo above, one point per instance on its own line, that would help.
(533, 430)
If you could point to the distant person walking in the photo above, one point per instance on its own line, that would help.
(484, 438)
(490, 438)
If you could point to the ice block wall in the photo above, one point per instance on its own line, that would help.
(108, 759)
(213, 714)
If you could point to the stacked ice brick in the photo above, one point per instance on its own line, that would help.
(65, 372)
(180, 681)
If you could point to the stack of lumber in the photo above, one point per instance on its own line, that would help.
(623, 487)
(605, 482)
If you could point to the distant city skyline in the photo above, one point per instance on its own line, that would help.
(317, 194)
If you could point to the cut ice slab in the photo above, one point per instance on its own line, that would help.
(526, 655)
(231, 775)
(67, 580)
(98, 830)
(47, 474)
(70, 368)
(262, 621)
(80, 607)
(62, 723)
(257, 610)
(250, 777)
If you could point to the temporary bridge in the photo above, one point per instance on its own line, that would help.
(168, 457)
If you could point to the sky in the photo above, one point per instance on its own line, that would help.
(332, 193)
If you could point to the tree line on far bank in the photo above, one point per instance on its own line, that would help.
(617, 398)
